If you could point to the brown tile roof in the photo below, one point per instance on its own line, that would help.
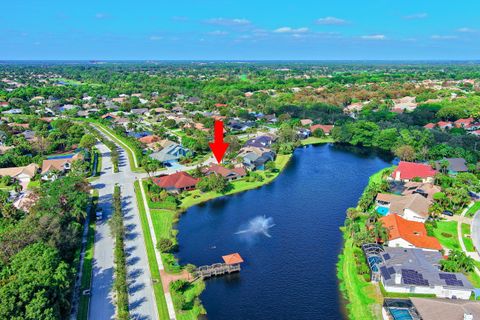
(415, 202)
(225, 172)
(29, 170)
(58, 164)
(325, 127)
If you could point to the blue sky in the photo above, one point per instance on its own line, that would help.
(240, 29)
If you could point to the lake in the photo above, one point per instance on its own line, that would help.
(290, 270)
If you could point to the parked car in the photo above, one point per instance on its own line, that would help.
(473, 195)
(448, 213)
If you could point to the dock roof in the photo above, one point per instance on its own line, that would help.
(233, 258)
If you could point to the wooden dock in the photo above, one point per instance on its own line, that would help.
(231, 264)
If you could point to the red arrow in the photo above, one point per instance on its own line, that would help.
(218, 146)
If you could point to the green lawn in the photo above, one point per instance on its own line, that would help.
(467, 241)
(33, 184)
(195, 197)
(315, 140)
(152, 261)
(446, 233)
(85, 282)
(362, 296)
(473, 209)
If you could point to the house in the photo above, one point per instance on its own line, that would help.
(429, 126)
(463, 123)
(446, 309)
(26, 200)
(415, 271)
(306, 122)
(445, 124)
(139, 111)
(110, 116)
(263, 141)
(405, 103)
(455, 165)
(220, 105)
(170, 154)
(149, 139)
(303, 133)
(60, 164)
(255, 158)
(413, 207)
(229, 174)
(325, 127)
(407, 171)
(425, 189)
(408, 234)
(193, 100)
(21, 174)
(176, 182)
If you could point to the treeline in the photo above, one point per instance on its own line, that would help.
(39, 251)
(407, 142)
(118, 231)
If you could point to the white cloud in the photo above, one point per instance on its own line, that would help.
(331, 21)
(466, 30)
(218, 33)
(290, 30)
(416, 16)
(155, 38)
(101, 15)
(374, 37)
(443, 37)
(228, 22)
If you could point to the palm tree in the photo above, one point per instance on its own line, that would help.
(444, 164)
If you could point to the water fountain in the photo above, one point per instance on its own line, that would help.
(258, 225)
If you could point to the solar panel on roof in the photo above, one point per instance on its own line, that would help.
(391, 270)
(447, 276)
(386, 256)
(452, 282)
(385, 273)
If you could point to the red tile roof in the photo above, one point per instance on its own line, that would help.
(429, 126)
(411, 231)
(233, 258)
(325, 127)
(220, 105)
(179, 180)
(443, 124)
(463, 122)
(410, 170)
(149, 139)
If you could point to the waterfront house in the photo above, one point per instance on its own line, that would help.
(464, 123)
(229, 174)
(408, 234)
(176, 182)
(446, 309)
(407, 171)
(455, 165)
(255, 158)
(306, 122)
(412, 207)
(326, 128)
(170, 154)
(415, 271)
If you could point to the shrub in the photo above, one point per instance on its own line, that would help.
(166, 245)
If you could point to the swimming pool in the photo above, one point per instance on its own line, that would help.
(383, 211)
(61, 156)
(400, 314)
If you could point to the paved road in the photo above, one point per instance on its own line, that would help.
(101, 301)
(141, 296)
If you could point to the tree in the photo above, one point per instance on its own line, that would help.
(35, 285)
(458, 261)
(405, 153)
(150, 165)
(213, 182)
(165, 245)
(88, 141)
(318, 133)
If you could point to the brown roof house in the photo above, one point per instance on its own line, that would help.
(413, 207)
(229, 174)
(52, 167)
(22, 174)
